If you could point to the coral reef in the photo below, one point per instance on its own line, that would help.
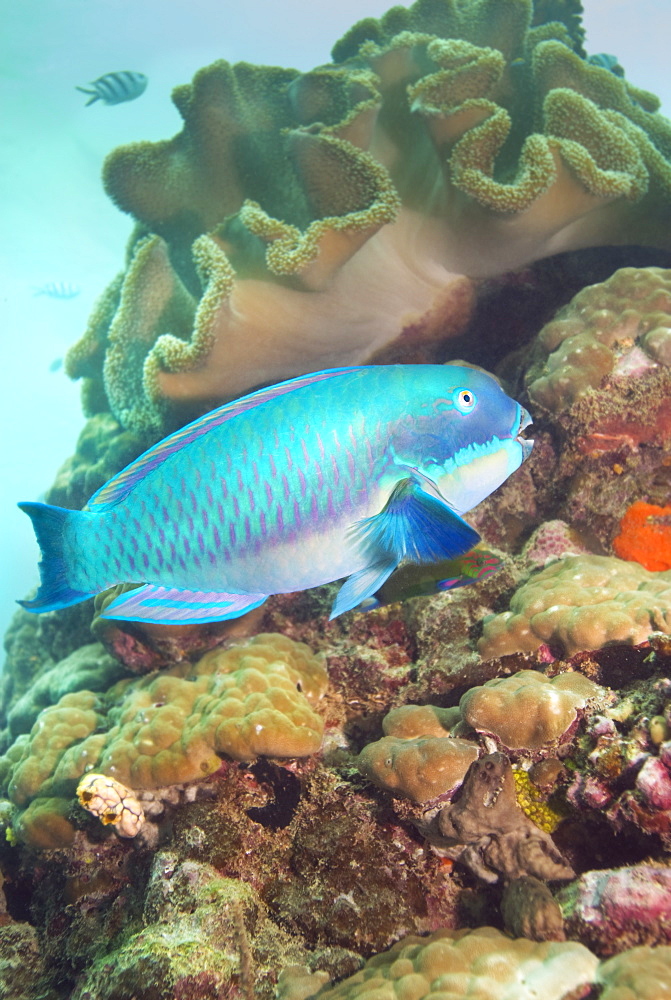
(165, 730)
(529, 910)
(300, 221)
(612, 910)
(639, 974)
(528, 710)
(620, 327)
(486, 830)
(420, 767)
(258, 808)
(483, 962)
(581, 602)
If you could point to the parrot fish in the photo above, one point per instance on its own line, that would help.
(434, 578)
(349, 472)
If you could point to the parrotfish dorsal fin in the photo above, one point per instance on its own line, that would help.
(123, 483)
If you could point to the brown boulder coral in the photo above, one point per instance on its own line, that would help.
(581, 603)
(481, 963)
(164, 729)
(300, 221)
(528, 710)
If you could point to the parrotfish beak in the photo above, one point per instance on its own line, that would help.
(525, 443)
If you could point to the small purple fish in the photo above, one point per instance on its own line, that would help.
(343, 473)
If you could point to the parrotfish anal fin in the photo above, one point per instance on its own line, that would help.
(361, 585)
(164, 605)
(413, 526)
(121, 485)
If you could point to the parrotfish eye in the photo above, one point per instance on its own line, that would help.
(464, 400)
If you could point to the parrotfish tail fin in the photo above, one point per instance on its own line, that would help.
(54, 591)
(95, 95)
(414, 526)
(164, 605)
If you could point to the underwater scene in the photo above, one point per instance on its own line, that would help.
(336, 501)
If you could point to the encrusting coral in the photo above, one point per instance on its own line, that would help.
(166, 729)
(579, 603)
(300, 221)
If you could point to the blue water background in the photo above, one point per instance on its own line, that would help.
(57, 223)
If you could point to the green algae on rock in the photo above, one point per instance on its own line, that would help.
(301, 221)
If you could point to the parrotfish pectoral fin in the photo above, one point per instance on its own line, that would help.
(165, 605)
(361, 585)
(415, 526)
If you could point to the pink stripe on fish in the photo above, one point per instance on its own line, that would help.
(280, 520)
(236, 507)
(285, 486)
(255, 471)
(269, 492)
(301, 480)
(252, 502)
(208, 494)
(215, 535)
(290, 463)
(262, 522)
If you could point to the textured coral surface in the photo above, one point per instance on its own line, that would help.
(255, 810)
(581, 602)
(300, 221)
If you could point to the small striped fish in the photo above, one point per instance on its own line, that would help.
(115, 88)
(58, 290)
(343, 473)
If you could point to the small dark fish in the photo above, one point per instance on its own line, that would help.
(56, 365)
(115, 88)
(58, 290)
(606, 61)
(412, 580)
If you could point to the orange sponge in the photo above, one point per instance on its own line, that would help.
(645, 536)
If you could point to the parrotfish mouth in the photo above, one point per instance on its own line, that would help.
(526, 444)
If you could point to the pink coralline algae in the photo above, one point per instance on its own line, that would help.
(614, 909)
